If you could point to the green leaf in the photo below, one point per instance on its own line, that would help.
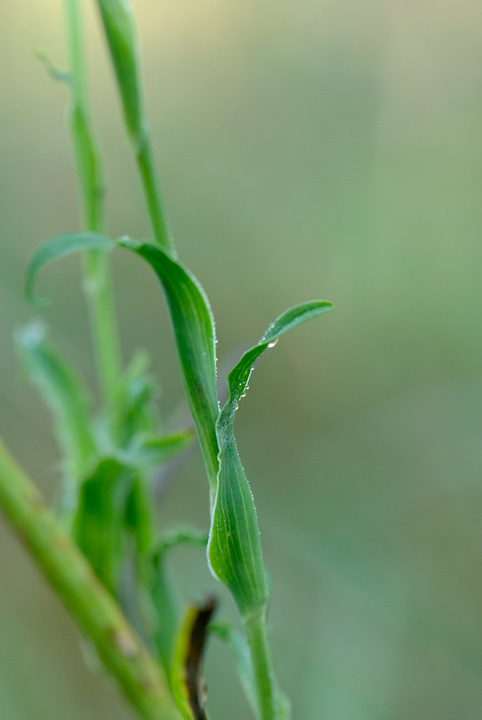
(192, 323)
(99, 523)
(59, 247)
(234, 549)
(118, 21)
(193, 327)
(64, 393)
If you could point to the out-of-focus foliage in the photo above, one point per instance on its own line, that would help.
(311, 149)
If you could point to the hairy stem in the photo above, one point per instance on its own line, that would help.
(91, 606)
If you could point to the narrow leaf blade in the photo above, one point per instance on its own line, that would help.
(193, 327)
(234, 549)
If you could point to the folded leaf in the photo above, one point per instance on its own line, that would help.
(234, 549)
(193, 327)
(192, 322)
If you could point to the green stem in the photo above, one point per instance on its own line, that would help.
(97, 285)
(257, 637)
(152, 192)
(93, 609)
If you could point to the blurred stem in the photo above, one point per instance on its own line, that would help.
(152, 191)
(91, 606)
(257, 637)
(97, 285)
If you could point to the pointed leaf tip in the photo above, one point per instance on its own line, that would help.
(234, 549)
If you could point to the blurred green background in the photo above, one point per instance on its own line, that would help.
(307, 148)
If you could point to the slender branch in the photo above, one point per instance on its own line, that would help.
(91, 606)
(97, 284)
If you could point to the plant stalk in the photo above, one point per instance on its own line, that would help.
(152, 192)
(263, 672)
(89, 603)
(97, 284)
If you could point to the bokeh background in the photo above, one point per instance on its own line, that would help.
(307, 148)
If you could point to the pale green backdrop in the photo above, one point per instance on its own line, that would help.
(307, 148)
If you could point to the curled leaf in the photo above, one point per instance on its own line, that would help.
(193, 327)
(191, 318)
(234, 549)
(59, 247)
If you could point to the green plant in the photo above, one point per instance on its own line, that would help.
(108, 456)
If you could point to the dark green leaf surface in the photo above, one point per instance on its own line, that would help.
(64, 393)
(193, 327)
(234, 549)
